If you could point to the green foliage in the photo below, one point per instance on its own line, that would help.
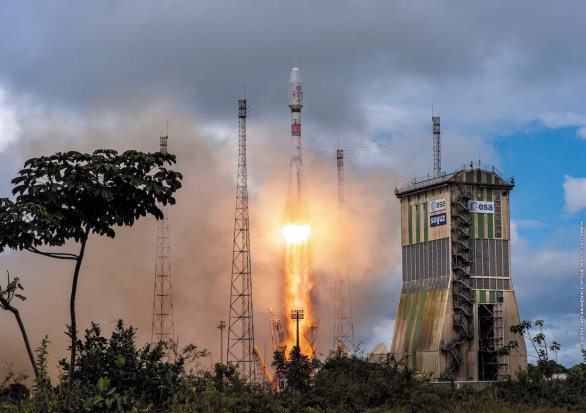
(297, 370)
(62, 196)
(10, 292)
(545, 366)
(13, 393)
(115, 373)
(69, 195)
(349, 384)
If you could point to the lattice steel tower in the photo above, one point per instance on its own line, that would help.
(241, 323)
(343, 325)
(437, 154)
(162, 327)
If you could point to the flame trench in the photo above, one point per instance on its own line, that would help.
(298, 284)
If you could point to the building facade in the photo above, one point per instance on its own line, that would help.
(457, 300)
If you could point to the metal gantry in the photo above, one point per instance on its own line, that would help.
(162, 326)
(241, 323)
(343, 323)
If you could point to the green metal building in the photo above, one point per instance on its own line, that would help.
(457, 300)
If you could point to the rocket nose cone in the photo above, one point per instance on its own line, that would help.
(295, 75)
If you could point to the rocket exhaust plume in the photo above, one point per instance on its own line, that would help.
(297, 232)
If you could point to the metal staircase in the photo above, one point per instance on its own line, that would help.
(462, 294)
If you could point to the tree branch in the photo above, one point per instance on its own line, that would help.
(57, 255)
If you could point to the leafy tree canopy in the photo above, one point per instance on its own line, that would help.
(70, 194)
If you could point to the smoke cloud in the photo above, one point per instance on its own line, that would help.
(118, 274)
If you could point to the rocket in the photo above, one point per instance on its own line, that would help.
(296, 208)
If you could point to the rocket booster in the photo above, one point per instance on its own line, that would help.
(296, 208)
(296, 103)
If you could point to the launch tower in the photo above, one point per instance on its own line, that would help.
(343, 324)
(163, 328)
(240, 324)
(457, 301)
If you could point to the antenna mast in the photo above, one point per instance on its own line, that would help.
(241, 325)
(163, 327)
(343, 325)
(437, 155)
(581, 326)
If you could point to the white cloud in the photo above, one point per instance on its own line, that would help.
(545, 284)
(531, 223)
(563, 119)
(9, 128)
(574, 193)
(556, 120)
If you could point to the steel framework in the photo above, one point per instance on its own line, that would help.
(241, 322)
(162, 326)
(581, 286)
(437, 155)
(343, 324)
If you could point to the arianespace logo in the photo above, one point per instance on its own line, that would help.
(437, 205)
(482, 207)
(437, 220)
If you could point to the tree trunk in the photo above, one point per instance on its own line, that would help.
(13, 310)
(73, 326)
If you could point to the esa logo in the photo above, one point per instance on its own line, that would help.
(482, 207)
(437, 205)
(437, 220)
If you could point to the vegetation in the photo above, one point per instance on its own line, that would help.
(6, 296)
(114, 375)
(70, 195)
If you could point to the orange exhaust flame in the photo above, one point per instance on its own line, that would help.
(298, 284)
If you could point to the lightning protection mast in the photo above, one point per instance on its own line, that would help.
(343, 324)
(240, 324)
(162, 327)
(437, 155)
(581, 286)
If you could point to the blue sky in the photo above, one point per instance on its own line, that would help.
(540, 159)
(507, 79)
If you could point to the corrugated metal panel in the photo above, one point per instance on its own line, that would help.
(415, 215)
(404, 221)
(418, 326)
(498, 218)
(505, 217)
(426, 265)
(517, 359)
(490, 258)
(489, 217)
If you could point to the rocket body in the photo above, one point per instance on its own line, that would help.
(298, 282)
(295, 90)
(296, 208)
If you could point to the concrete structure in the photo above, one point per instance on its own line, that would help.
(457, 301)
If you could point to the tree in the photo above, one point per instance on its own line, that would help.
(297, 370)
(6, 297)
(545, 366)
(69, 195)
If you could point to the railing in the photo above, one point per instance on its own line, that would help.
(421, 182)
